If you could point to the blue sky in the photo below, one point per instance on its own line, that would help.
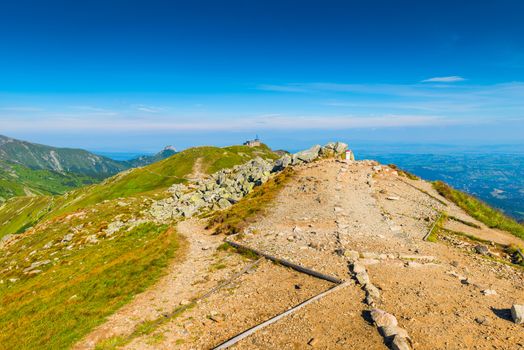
(136, 75)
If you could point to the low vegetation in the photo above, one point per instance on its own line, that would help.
(246, 253)
(467, 223)
(84, 254)
(480, 210)
(80, 284)
(437, 227)
(18, 180)
(20, 213)
(152, 178)
(240, 215)
(516, 254)
(505, 254)
(403, 172)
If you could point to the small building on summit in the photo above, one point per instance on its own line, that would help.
(253, 143)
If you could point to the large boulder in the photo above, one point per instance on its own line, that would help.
(400, 343)
(282, 163)
(340, 147)
(389, 332)
(223, 203)
(332, 149)
(517, 313)
(328, 150)
(383, 319)
(307, 156)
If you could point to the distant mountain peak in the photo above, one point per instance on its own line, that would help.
(169, 148)
(167, 152)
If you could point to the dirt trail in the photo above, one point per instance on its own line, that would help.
(197, 172)
(484, 232)
(187, 277)
(384, 219)
(329, 211)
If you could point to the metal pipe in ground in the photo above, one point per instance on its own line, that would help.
(432, 228)
(287, 263)
(272, 320)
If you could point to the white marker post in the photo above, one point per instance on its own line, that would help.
(348, 155)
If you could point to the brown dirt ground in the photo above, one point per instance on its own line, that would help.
(331, 206)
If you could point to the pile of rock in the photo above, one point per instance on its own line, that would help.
(220, 191)
(362, 277)
(228, 186)
(387, 324)
(395, 336)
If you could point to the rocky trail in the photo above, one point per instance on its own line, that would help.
(361, 223)
(187, 277)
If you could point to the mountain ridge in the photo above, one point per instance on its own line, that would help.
(28, 168)
(75, 160)
(93, 261)
(131, 182)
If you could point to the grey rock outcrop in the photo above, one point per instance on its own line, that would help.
(307, 156)
(220, 191)
(35, 265)
(333, 149)
(226, 187)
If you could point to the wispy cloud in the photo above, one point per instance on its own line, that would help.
(88, 108)
(450, 79)
(283, 88)
(245, 123)
(501, 92)
(88, 111)
(148, 109)
(300, 106)
(21, 109)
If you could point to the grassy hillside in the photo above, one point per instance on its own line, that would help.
(20, 213)
(36, 156)
(161, 175)
(64, 278)
(86, 253)
(480, 210)
(18, 180)
(154, 177)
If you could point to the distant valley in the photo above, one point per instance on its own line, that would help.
(495, 178)
(32, 169)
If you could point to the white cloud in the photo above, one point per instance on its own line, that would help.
(21, 109)
(89, 108)
(450, 79)
(148, 109)
(283, 88)
(328, 106)
(247, 123)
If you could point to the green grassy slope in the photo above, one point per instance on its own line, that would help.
(479, 210)
(19, 213)
(85, 268)
(18, 180)
(154, 177)
(36, 156)
(81, 281)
